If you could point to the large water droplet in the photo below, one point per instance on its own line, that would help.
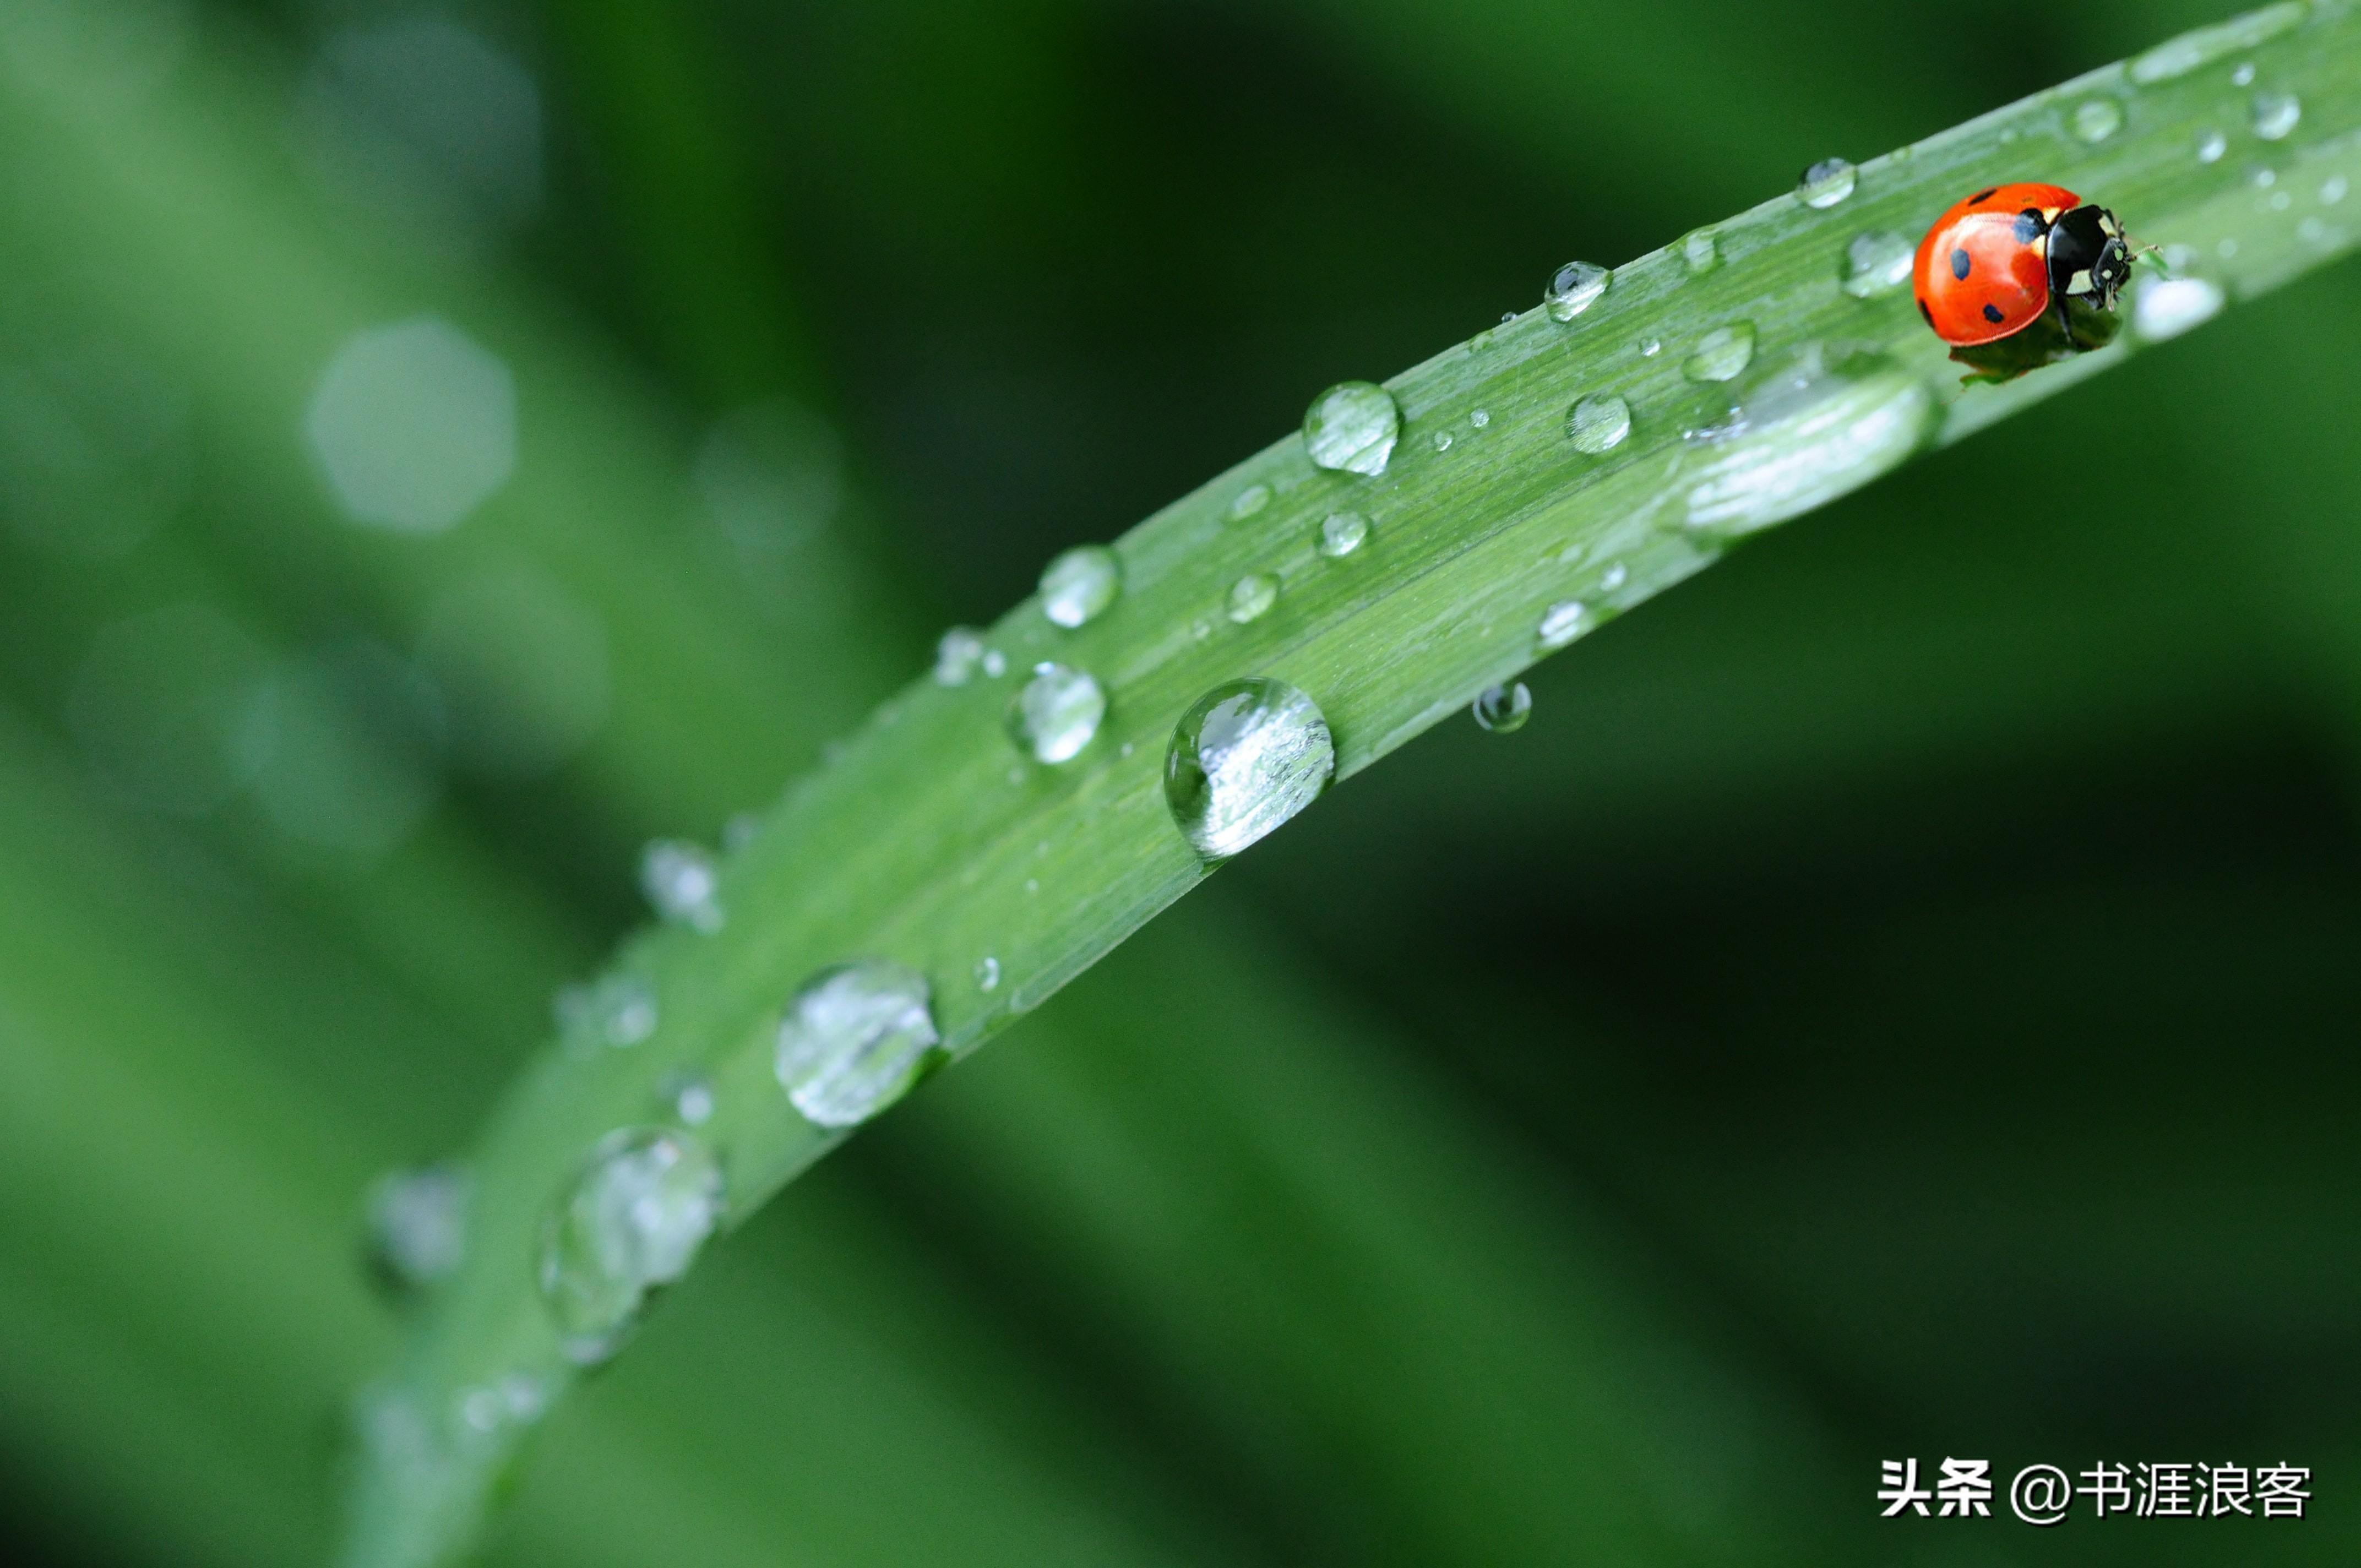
(1352, 427)
(1805, 438)
(855, 1039)
(1876, 263)
(2276, 114)
(1342, 533)
(418, 1225)
(1560, 625)
(1573, 290)
(2167, 307)
(1721, 354)
(1700, 252)
(618, 1010)
(633, 1221)
(1503, 709)
(959, 656)
(1057, 713)
(1247, 757)
(1079, 584)
(2096, 119)
(2211, 145)
(1598, 422)
(1252, 595)
(1827, 182)
(683, 884)
(1249, 501)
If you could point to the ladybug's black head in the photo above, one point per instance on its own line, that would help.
(2089, 258)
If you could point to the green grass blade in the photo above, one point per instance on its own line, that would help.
(928, 841)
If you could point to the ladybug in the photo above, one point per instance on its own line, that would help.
(2013, 255)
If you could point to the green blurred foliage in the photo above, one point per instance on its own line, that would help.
(1894, 999)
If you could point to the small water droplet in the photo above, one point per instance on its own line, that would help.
(1057, 712)
(2333, 190)
(632, 1222)
(2279, 202)
(987, 973)
(2263, 179)
(2243, 74)
(618, 1010)
(1700, 252)
(1249, 501)
(1342, 533)
(1649, 347)
(2211, 145)
(690, 1095)
(2096, 119)
(517, 1399)
(2167, 307)
(855, 1039)
(1507, 316)
(1247, 757)
(1598, 422)
(2276, 114)
(418, 1225)
(1827, 182)
(1503, 709)
(1032, 885)
(1481, 419)
(1443, 441)
(1574, 289)
(1351, 428)
(1079, 584)
(996, 664)
(683, 884)
(1876, 263)
(1614, 577)
(1721, 354)
(958, 656)
(1562, 623)
(1251, 595)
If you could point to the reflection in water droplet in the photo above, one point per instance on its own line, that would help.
(1057, 712)
(1721, 354)
(2276, 114)
(1598, 422)
(1247, 757)
(1249, 501)
(1573, 290)
(1079, 584)
(618, 1010)
(1700, 253)
(987, 973)
(1806, 437)
(683, 884)
(1503, 709)
(633, 1221)
(855, 1039)
(1352, 427)
(2167, 307)
(2096, 119)
(1251, 595)
(1562, 623)
(1827, 182)
(413, 426)
(2211, 145)
(418, 1225)
(958, 656)
(1876, 263)
(1342, 533)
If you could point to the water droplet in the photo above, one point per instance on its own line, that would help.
(1810, 435)
(2243, 74)
(1503, 709)
(2211, 145)
(1057, 713)
(1351, 428)
(1700, 252)
(1721, 354)
(418, 1225)
(618, 1010)
(1250, 500)
(958, 656)
(2263, 179)
(2279, 202)
(2096, 119)
(2178, 57)
(987, 973)
(1481, 419)
(1876, 263)
(1614, 577)
(2276, 114)
(1251, 595)
(683, 884)
(1827, 182)
(996, 664)
(1575, 288)
(1443, 441)
(633, 1221)
(2333, 190)
(690, 1095)
(1562, 623)
(517, 1399)
(1079, 584)
(2167, 307)
(1247, 757)
(1649, 347)
(855, 1039)
(1342, 533)
(1598, 422)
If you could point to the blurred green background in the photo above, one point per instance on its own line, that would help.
(1895, 999)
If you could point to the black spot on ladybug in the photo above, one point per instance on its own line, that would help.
(1992, 315)
(1959, 264)
(1981, 197)
(1928, 313)
(2029, 226)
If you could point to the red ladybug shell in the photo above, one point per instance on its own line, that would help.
(1983, 271)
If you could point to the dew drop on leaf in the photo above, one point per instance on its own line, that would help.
(1342, 533)
(1503, 709)
(1721, 354)
(633, 1221)
(1247, 757)
(682, 883)
(1351, 428)
(1251, 596)
(1079, 584)
(1057, 713)
(853, 1041)
(1827, 182)
(1574, 289)
(1598, 422)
